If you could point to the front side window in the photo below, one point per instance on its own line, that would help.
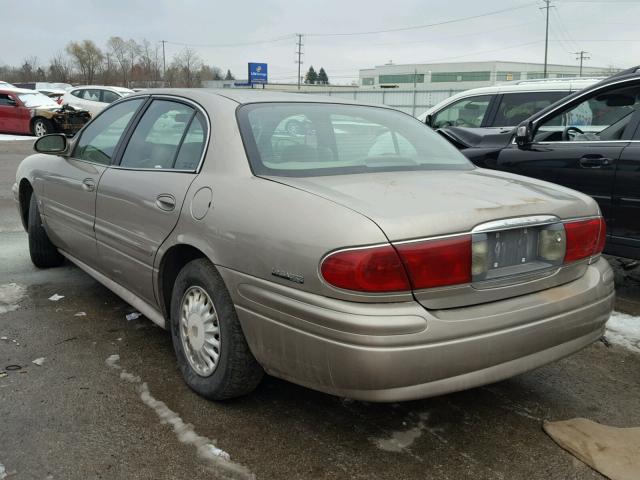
(100, 138)
(306, 139)
(158, 136)
(602, 117)
(109, 97)
(6, 100)
(468, 112)
(517, 107)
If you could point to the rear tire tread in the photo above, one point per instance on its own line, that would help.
(44, 254)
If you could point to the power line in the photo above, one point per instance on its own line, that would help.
(427, 25)
(232, 45)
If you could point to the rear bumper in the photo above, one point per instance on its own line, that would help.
(394, 352)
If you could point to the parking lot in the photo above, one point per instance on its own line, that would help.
(82, 413)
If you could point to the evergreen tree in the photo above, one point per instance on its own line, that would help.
(322, 77)
(311, 77)
(229, 76)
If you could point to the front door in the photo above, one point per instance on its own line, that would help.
(69, 197)
(14, 118)
(580, 145)
(140, 199)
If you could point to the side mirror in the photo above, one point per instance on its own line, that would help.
(55, 143)
(524, 135)
(429, 120)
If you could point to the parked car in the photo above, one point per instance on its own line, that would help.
(588, 141)
(30, 112)
(5, 85)
(503, 106)
(377, 263)
(94, 98)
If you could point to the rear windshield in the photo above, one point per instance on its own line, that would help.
(311, 139)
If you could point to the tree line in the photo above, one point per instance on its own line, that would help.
(121, 62)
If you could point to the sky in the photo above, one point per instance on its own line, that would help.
(332, 31)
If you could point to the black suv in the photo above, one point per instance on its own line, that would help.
(588, 141)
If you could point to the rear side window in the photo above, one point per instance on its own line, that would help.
(100, 137)
(77, 93)
(6, 99)
(156, 141)
(517, 107)
(467, 112)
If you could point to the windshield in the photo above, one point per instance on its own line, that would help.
(36, 99)
(310, 139)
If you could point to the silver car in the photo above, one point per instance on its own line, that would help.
(358, 253)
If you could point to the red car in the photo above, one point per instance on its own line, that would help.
(32, 113)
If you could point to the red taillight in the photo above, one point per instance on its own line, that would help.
(584, 238)
(436, 263)
(374, 269)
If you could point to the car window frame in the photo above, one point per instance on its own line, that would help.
(116, 150)
(580, 97)
(126, 137)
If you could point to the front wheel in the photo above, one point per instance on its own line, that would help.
(41, 127)
(212, 352)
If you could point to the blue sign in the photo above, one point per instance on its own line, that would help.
(257, 73)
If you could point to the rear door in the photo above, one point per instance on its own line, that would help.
(625, 231)
(139, 199)
(579, 146)
(69, 197)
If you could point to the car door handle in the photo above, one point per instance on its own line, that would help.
(593, 161)
(88, 184)
(166, 202)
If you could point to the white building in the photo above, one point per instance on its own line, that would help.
(465, 75)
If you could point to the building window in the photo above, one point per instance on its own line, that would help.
(535, 75)
(368, 81)
(566, 75)
(441, 77)
(404, 78)
(507, 76)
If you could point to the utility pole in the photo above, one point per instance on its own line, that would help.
(546, 35)
(164, 61)
(299, 53)
(582, 55)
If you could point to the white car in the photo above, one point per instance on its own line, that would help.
(93, 97)
(501, 105)
(6, 85)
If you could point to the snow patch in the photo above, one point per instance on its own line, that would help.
(10, 138)
(185, 433)
(133, 316)
(38, 361)
(400, 440)
(10, 296)
(55, 297)
(624, 330)
(80, 314)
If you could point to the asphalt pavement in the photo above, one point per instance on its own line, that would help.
(80, 412)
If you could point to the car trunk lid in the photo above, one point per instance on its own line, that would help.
(498, 208)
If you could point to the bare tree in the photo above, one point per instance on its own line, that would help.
(87, 57)
(119, 49)
(60, 68)
(29, 68)
(133, 50)
(188, 63)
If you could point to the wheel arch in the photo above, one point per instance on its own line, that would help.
(172, 261)
(25, 190)
(35, 119)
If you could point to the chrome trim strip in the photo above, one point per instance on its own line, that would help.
(513, 223)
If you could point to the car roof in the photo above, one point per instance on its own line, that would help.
(245, 96)
(102, 87)
(17, 90)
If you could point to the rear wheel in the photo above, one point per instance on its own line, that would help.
(41, 127)
(43, 253)
(211, 349)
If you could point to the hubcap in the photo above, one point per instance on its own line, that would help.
(40, 129)
(200, 331)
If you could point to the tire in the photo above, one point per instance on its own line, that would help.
(41, 127)
(236, 372)
(43, 253)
